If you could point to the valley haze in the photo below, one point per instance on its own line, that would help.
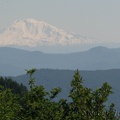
(31, 34)
(15, 61)
(58, 37)
(29, 43)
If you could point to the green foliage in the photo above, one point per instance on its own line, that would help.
(31, 80)
(9, 105)
(37, 104)
(87, 104)
(54, 92)
(13, 85)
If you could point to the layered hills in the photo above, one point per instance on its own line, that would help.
(61, 78)
(15, 61)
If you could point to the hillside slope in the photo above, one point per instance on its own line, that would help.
(62, 78)
(99, 58)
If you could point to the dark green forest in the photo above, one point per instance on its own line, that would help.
(13, 86)
(18, 103)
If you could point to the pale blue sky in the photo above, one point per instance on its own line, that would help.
(95, 18)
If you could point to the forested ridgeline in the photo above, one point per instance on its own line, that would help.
(15, 88)
(18, 103)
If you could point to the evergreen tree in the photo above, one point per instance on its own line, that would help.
(37, 104)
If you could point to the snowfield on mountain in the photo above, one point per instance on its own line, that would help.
(32, 33)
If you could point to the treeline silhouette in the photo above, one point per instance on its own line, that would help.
(18, 103)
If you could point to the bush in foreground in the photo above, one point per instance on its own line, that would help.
(38, 104)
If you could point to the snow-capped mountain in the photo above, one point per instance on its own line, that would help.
(32, 33)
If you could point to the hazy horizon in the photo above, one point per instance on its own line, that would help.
(97, 19)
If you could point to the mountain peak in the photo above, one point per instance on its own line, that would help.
(30, 32)
(26, 20)
(31, 20)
